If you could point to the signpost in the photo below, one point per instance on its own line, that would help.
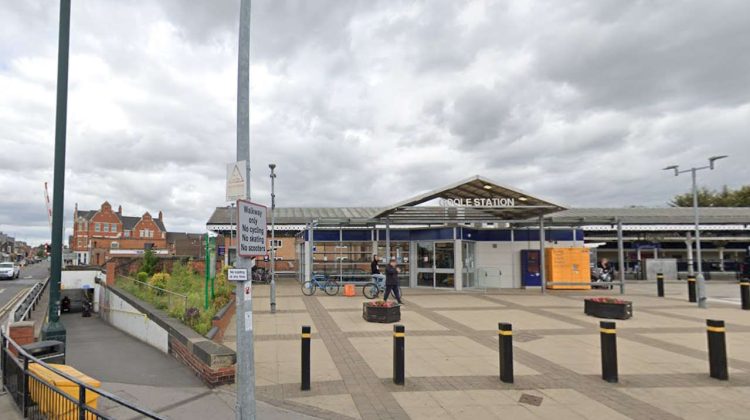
(236, 180)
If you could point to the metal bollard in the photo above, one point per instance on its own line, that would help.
(660, 284)
(398, 354)
(505, 334)
(305, 358)
(745, 294)
(717, 349)
(608, 336)
(691, 289)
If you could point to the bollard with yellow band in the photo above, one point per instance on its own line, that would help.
(691, 289)
(398, 354)
(660, 284)
(505, 338)
(717, 349)
(306, 357)
(608, 336)
(745, 293)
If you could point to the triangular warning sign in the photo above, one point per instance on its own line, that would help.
(236, 175)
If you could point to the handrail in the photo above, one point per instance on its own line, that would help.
(30, 300)
(154, 287)
(98, 391)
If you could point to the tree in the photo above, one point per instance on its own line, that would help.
(149, 262)
(40, 252)
(726, 197)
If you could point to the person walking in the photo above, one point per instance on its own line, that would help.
(391, 281)
(374, 265)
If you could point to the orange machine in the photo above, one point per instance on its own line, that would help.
(567, 265)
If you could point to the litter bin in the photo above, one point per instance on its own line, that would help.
(54, 406)
(50, 351)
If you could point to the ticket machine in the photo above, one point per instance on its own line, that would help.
(530, 272)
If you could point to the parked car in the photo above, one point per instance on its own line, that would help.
(9, 270)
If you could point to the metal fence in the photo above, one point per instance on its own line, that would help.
(28, 304)
(26, 380)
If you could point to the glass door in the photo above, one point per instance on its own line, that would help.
(445, 266)
(469, 268)
(425, 264)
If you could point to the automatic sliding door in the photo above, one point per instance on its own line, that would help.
(445, 265)
(425, 264)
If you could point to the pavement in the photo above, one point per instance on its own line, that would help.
(9, 289)
(452, 356)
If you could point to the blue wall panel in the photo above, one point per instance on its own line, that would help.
(357, 235)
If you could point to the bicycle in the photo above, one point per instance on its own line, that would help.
(331, 287)
(374, 288)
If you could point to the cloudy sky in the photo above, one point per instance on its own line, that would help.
(371, 102)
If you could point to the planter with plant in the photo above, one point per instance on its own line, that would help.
(381, 311)
(607, 307)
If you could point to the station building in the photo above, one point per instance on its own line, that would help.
(477, 233)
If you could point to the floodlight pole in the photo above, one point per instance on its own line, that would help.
(54, 329)
(273, 238)
(700, 279)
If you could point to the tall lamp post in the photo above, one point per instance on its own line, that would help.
(272, 166)
(699, 277)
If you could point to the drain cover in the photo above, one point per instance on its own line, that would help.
(530, 400)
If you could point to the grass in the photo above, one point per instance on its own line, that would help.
(184, 281)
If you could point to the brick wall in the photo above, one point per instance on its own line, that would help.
(22, 333)
(223, 321)
(211, 376)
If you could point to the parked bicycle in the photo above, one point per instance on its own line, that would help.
(374, 288)
(261, 275)
(320, 281)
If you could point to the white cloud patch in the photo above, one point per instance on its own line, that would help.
(369, 102)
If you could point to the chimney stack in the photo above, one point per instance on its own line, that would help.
(161, 216)
(119, 210)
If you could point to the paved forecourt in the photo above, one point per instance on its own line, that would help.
(452, 356)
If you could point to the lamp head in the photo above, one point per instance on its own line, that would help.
(713, 159)
(673, 167)
(272, 166)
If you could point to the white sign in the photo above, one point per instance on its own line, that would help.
(248, 321)
(248, 291)
(237, 274)
(477, 202)
(236, 174)
(251, 229)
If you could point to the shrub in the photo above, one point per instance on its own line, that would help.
(160, 280)
(143, 277)
(149, 262)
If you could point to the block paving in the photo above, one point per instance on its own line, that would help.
(452, 357)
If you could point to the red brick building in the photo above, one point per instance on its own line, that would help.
(99, 234)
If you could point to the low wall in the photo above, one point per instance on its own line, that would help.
(221, 320)
(212, 362)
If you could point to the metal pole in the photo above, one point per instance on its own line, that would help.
(542, 271)
(621, 256)
(273, 238)
(245, 409)
(387, 241)
(701, 280)
(54, 330)
(205, 286)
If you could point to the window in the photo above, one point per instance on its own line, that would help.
(97, 227)
(276, 243)
(147, 233)
(126, 233)
(113, 228)
(114, 245)
(106, 227)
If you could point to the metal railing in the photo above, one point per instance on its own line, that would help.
(28, 304)
(160, 294)
(25, 379)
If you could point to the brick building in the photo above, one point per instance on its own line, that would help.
(99, 234)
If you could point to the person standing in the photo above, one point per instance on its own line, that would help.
(374, 265)
(391, 281)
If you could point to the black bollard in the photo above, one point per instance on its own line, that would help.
(745, 294)
(717, 349)
(608, 336)
(398, 354)
(505, 334)
(305, 358)
(691, 289)
(660, 284)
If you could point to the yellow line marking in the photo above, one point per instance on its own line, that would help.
(716, 329)
(502, 332)
(608, 330)
(305, 335)
(399, 334)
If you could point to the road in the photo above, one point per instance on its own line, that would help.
(29, 275)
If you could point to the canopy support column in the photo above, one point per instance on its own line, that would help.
(542, 271)
(620, 257)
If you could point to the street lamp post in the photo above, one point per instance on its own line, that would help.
(272, 166)
(701, 281)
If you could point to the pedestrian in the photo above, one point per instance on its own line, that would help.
(374, 265)
(391, 281)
